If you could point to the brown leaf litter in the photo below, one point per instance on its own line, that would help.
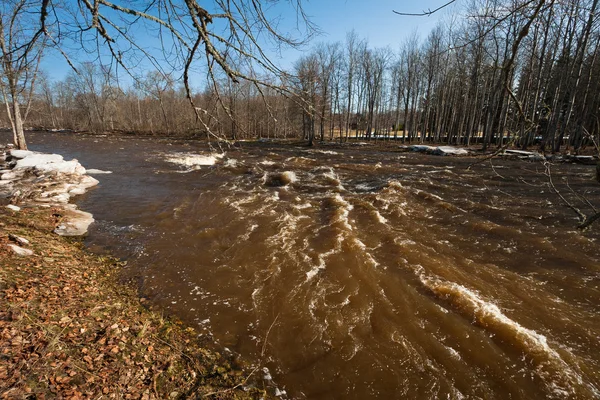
(70, 329)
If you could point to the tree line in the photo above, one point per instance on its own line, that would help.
(518, 72)
(508, 72)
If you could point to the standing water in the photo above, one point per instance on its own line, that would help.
(355, 273)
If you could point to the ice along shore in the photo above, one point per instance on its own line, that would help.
(69, 327)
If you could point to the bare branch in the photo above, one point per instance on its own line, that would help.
(548, 173)
(425, 13)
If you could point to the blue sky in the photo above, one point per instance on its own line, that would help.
(372, 20)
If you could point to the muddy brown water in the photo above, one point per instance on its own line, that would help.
(370, 274)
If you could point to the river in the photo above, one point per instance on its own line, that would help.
(358, 273)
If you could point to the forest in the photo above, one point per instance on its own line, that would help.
(524, 73)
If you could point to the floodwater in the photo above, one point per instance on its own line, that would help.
(354, 273)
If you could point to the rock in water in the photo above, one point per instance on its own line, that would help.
(280, 179)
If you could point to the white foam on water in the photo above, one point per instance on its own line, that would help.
(267, 162)
(302, 206)
(231, 162)
(343, 211)
(288, 224)
(300, 160)
(346, 301)
(395, 185)
(284, 243)
(322, 257)
(360, 244)
(427, 194)
(356, 345)
(456, 394)
(440, 201)
(330, 174)
(312, 273)
(363, 247)
(193, 161)
(404, 242)
(246, 236)
(560, 378)
(371, 260)
(267, 375)
(380, 217)
(365, 187)
(254, 296)
(239, 204)
(324, 152)
(455, 354)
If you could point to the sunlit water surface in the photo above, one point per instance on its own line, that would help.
(370, 274)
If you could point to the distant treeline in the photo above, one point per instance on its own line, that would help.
(527, 74)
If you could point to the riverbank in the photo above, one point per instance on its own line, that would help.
(369, 268)
(69, 328)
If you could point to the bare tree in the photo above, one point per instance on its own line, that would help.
(307, 73)
(409, 82)
(193, 37)
(374, 66)
(327, 58)
(352, 47)
(19, 62)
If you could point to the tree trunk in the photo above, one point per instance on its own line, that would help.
(19, 135)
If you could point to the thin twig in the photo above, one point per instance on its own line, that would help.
(262, 352)
(548, 173)
(496, 172)
(425, 13)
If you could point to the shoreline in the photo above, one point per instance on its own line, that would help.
(588, 155)
(111, 166)
(69, 327)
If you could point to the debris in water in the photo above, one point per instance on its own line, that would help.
(280, 179)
